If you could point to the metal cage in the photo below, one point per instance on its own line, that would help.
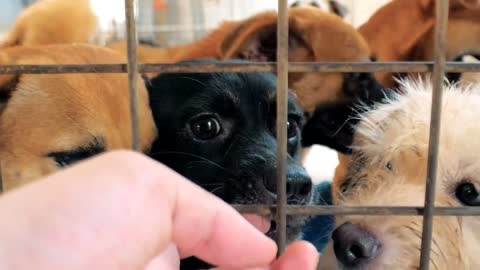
(282, 67)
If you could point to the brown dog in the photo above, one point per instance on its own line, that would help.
(312, 33)
(51, 121)
(403, 30)
(389, 169)
(53, 21)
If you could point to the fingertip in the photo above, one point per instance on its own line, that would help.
(300, 255)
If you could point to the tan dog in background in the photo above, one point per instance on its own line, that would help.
(53, 21)
(403, 30)
(312, 33)
(51, 121)
(389, 169)
(206, 47)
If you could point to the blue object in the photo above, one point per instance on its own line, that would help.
(318, 229)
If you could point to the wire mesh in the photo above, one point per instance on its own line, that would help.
(132, 69)
(242, 67)
(441, 17)
(282, 116)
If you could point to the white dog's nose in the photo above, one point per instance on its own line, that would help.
(355, 246)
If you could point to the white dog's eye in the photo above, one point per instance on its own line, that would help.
(389, 166)
(467, 193)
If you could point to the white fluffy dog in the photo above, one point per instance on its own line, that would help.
(389, 169)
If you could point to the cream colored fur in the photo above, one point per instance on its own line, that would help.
(389, 169)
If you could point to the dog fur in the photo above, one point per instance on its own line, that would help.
(389, 169)
(466, 77)
(206, 47)
(312, 32)
(51, 22)
(49, 121)
(392, 37)
(218, 130)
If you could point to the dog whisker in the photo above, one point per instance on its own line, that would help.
(195, 80)
(187, 154)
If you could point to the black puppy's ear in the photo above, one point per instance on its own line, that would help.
(8, 84)
(338, 8)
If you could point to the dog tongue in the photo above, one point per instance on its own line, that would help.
(261, 223)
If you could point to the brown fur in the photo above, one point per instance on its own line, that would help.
(403, 30)
(207, 47)
(389, 169)
(40, 114)
(313, 31)
(53, 21)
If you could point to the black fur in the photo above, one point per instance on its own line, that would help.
(239, 163)
(332, 124)
(454, 77)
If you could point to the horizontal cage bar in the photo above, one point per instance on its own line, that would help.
(294, 210)
(241, 67)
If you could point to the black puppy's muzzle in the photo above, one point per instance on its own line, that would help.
(299, 183)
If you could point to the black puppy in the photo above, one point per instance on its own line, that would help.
(218, 129)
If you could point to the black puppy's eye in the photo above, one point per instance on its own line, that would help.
(205, 127)
(467, 193)
(292, 128)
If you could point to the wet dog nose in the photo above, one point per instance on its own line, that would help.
(299, 184)
(355, 246)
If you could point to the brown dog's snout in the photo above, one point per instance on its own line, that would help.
(355, 246)
(299, 183)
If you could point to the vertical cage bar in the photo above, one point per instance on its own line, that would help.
(441, 23)
(132, 68)
(282, 117)
(1, 178)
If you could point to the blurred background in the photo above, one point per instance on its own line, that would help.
(171, 22)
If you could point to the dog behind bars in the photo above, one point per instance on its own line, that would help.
(50, 121)
(219, 130)
(389, 169)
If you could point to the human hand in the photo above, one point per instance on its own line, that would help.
(122, 210)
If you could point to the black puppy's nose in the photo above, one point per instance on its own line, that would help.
(355, 246)
(299, 184)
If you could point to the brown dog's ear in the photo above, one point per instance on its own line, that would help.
(256, 39)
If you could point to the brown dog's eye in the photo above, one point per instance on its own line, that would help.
(467, 193)
(205, 127)
(389, 166)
